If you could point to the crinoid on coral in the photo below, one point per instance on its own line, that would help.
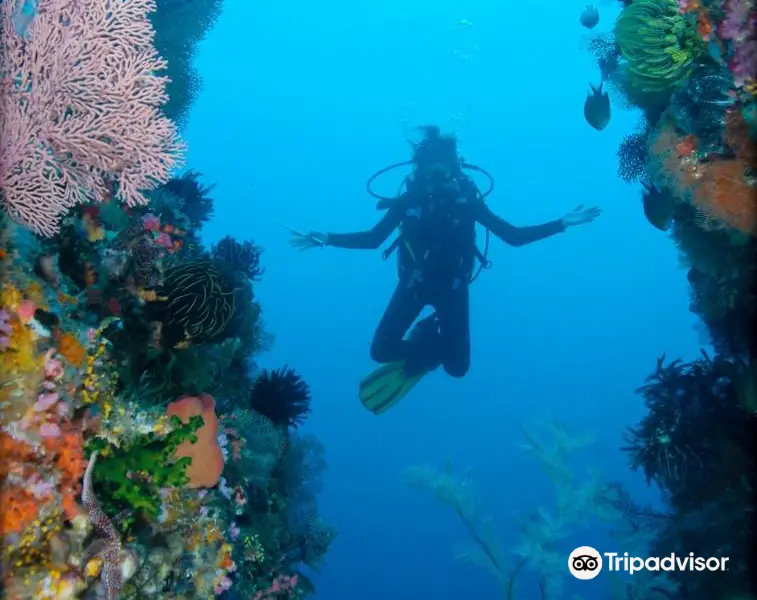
(282, 396)
(196, 303)
(196, 205)
(658, 46)
(240, 257)
(694, 426)
(697, 442)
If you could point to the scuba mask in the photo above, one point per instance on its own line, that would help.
(436, 166)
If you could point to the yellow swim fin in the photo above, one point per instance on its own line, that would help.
(386, 386)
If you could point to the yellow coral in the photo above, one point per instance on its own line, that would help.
(21, 368)
(93, 567)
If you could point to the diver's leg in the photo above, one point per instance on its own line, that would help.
(388, 344)
(453, 312)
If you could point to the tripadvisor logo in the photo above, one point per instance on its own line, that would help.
(586, 563)
(672, 562)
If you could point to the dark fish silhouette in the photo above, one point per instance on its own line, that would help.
(658, 206)
(597, 108)
(589, 17)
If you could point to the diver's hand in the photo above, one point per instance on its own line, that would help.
(580, 215)
(306, 241)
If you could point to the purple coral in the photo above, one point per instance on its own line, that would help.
(738, 27)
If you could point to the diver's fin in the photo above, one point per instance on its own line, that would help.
(386, 386)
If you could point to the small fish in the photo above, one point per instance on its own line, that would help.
(658, 206)
(589, 17)
(597, 108)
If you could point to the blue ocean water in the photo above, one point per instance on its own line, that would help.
(301, 102)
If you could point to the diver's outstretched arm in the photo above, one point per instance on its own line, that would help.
(367, 240)
(516, 236)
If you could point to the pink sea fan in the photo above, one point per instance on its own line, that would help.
(80, 117)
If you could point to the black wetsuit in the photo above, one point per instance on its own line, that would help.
(437, 255)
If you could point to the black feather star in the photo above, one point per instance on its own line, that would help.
(282, 396)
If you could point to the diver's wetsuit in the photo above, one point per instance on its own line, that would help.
(439, 279)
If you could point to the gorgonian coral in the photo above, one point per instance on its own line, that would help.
(113, 130)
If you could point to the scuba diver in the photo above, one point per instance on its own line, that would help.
(436, 218)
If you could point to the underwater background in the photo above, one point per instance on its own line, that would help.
(301, 104)
(179, 408)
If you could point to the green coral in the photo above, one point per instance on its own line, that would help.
(658, 44)
(129, 479)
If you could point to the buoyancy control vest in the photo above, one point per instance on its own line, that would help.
(436, 244)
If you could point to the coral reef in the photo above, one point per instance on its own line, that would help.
(116, 486)
(132, 463)
(696, 442)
